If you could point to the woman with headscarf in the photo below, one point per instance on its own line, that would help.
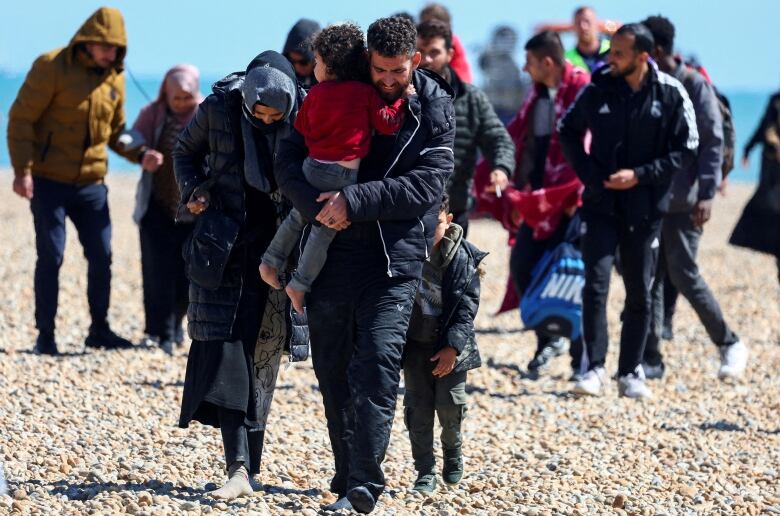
(239, 328)
(157, 198)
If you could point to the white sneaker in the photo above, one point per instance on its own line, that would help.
(733, 360)
(633, 385)
(592, 383)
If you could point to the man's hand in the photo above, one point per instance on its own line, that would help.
(499, 181)
(334, 213)
(197, 204)
(23, 186)
(622, 180)
(410, 90)
(152, 160)
(724, 186)
(446, 358)
(701, 213)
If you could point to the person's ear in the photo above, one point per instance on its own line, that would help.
(450, 53)
(450, 217)
(416, 58)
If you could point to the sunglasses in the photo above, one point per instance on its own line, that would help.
(301, 62)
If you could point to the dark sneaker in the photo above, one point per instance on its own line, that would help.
(452, 470)
(544, 356)
(342, 504)
(361, 499)
(106, 339)
(167, 346)
(654, 372)
(45, 345)
(425, 483)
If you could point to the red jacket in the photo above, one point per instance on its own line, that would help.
(541, 209)
(459, 63)
(337, 117)
(535, 208)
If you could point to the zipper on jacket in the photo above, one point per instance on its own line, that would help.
(397, 157)
(429, 149)
(45, 150)
(422, 225)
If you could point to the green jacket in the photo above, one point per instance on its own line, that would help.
(576, 59)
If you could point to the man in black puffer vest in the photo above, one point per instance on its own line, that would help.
(360, 304)
(477, 127)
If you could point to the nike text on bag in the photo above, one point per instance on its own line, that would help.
(552, 304)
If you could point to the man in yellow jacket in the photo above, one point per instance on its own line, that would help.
(70, 106)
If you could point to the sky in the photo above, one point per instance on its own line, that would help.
(737, 41)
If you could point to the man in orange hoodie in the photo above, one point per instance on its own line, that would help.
(69, 108)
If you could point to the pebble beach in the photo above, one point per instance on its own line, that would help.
(94, 432)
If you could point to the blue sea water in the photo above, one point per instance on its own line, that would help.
(747, 107)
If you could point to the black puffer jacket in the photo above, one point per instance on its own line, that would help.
(401, 200)
(477, 128)
(212, 144)
(460, 297)
(652, 131)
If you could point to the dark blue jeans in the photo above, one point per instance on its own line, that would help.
(358, 318)
(87, 208)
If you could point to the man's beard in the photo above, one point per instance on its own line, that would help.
(396, 93)
(625, 72)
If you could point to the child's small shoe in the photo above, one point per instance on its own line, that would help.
(452, 470)
(425, 483)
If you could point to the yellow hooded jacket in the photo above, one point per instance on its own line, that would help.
(67, 110)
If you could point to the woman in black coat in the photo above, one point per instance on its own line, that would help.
(759, 226)
(239, 329)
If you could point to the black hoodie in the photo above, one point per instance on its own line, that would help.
(298, 40)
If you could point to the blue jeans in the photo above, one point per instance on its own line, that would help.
(324, 177)
(87, 208)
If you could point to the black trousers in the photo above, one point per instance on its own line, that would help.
(162, 265)
(240, 443)
(358, 317)
(677, 264)
(526, 253)
(602, 236)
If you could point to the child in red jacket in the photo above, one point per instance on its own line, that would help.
(336, 122)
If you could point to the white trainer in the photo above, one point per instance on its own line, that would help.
(633, 385)
(733, 360)
(592, 383)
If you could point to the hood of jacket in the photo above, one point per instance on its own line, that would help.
(107, 26)
(448, 247)
(298, 38)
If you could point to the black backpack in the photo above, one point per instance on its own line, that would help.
(729, 133)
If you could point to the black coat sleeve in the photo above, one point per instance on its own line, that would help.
(413, 192)
(571, 131)
(492, 137)
(461, 325)
(683, 143)
(191, 150)
(770, 115)
(288, 170)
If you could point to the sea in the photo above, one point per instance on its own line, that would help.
(747, 109)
